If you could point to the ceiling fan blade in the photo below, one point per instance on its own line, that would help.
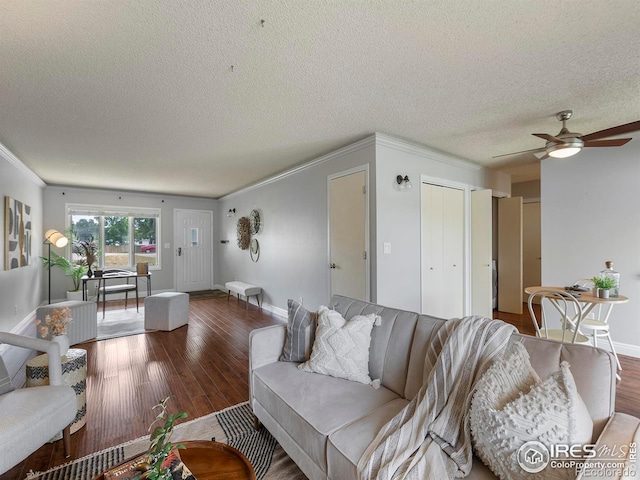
(607, 143)
(610, 132)
(548, 137)
(516, 153)
(542, 155)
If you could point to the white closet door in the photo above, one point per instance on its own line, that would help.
(442, 251)
(453, 245)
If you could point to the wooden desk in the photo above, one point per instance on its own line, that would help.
(587, 298)
(214, 461)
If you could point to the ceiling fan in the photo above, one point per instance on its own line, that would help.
(566, 143)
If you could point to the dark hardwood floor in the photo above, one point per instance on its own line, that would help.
(204, 367)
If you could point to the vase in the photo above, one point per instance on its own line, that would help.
(603, 293)
(63, 341)
(89, 272)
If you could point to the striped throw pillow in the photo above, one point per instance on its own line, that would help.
(301, 328)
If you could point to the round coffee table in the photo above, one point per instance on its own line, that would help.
(214, 461)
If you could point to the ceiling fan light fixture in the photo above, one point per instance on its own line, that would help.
(564, 150)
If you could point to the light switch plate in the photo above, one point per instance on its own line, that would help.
(386, 247)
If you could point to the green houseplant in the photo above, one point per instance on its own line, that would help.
(160, 447)
(85, 254)
(603, 285)
(75, 270)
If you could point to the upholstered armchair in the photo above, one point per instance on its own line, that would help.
(30, 417)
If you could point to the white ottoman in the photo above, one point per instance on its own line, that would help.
(166, 311)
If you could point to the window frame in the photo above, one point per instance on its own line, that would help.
(98, 210)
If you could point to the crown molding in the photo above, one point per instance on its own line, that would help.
(352, 147)
(424, 152)
(6, 154)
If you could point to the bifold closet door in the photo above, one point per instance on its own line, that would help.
(442, 251)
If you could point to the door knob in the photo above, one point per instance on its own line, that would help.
(179, 251)
(332, 265)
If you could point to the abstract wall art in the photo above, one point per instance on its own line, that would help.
(17, 234)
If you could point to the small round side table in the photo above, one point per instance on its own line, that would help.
(74, 374)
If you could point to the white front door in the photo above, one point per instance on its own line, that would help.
(348, 262)
(193, 250)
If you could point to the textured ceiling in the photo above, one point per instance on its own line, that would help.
(203, 98)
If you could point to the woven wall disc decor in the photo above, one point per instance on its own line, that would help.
(243, 231)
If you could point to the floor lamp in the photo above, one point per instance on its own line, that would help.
(53, 237)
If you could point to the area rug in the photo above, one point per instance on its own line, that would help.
(120, 323)
(206, 294)
(233, 426)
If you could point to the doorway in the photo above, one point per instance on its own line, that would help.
(193, 250)
(348, 233)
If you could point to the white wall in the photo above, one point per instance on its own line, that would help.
(293, 244)
(398, 213)
(162, 280)
(20, 289)
(590, 214)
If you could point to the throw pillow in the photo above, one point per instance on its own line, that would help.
(300, 333)
(5, 380)
(341, 347)
(511, 407)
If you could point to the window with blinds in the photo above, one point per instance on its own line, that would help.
(126, 235)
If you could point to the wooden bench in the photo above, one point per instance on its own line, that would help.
(246, 289)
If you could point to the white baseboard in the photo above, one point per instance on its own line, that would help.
(280, 312)
(624, 348)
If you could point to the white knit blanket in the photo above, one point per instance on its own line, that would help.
(430, 438)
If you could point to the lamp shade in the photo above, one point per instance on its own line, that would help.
(56, 238)
(566, 149)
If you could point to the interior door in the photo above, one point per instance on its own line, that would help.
(193, 250)
(348, 262)
(442, 251)
(531, 245)
(481, 252)
(510, 255)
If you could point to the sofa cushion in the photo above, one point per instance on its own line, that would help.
(593, 370)
(390, 342)
(512, 407)
(310, 406)
(346, 445)
(301, 327)
(341, 347)
(426, 328)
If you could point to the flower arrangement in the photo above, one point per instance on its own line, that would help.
(54, 324)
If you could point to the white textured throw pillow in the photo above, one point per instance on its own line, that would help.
(341, 347)
(512, 406)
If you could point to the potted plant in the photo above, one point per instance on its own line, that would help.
(162, 459)
(86, 250)
(603, 285)
(75, 270)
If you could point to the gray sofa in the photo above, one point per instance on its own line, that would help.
(326, 423)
